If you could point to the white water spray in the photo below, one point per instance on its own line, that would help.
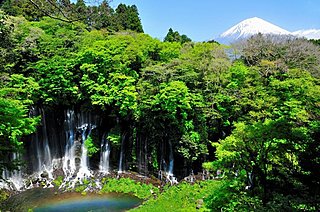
(120, 170)
(105, 155)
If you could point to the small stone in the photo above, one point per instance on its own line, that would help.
(44, 174)
(199, 203)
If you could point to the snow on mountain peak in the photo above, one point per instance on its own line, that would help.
(309, 33)
(255, 25)
(250, 27)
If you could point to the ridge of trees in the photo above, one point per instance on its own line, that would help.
(95, 14)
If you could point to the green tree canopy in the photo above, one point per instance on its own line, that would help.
(174, 36)
(17, 93)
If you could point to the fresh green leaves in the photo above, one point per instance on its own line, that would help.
(270, 115)
(16, 95)
(91, 147)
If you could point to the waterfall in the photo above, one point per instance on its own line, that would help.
(162, 163)
(171, 159)
(142, 155)
(146, 157)
(40, 151)
(105, 155)
(69, 163)
(84, 171)
(46, 162)
(76, 149)
(121, 154)
(58, 148)
(14, 178)
(170, 177)
(139, 152)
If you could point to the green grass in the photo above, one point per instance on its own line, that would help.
(58, 181)
(126, 185)
(4, 195)
(183, 197)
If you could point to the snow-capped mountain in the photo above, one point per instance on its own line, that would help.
(309, 34)
(252, 26)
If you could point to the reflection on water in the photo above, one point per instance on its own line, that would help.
(47, 200)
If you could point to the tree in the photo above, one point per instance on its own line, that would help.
(127, 18)
(177, 120)
(6, 44)
(196, 70)
(24, 8)
(285, 51)
(63, 10)
(174, 36)
(273, 119)
(16, 94)
(315, 41)
(103, 16)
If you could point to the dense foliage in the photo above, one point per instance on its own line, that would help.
(14, 120)
(95, 14)
(256, 119)
(17, 93)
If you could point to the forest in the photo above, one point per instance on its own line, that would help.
(237, 126)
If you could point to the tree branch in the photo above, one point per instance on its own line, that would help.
(62, 11)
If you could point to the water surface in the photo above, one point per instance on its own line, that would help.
(48, 200)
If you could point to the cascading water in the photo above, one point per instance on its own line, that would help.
(73, 171)
(84, 171)
(105, 155)
(14, 178)
(171, 160)
(69, 163)
(120, 170)
(58, 148)
(41, 146)
(42, 166)
(170, 176)
(46, 162)
(142, 155)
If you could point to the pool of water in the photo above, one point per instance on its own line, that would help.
(48, 200)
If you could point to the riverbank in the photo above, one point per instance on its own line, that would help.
(151, 192)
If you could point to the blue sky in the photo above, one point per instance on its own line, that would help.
(205, 19)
